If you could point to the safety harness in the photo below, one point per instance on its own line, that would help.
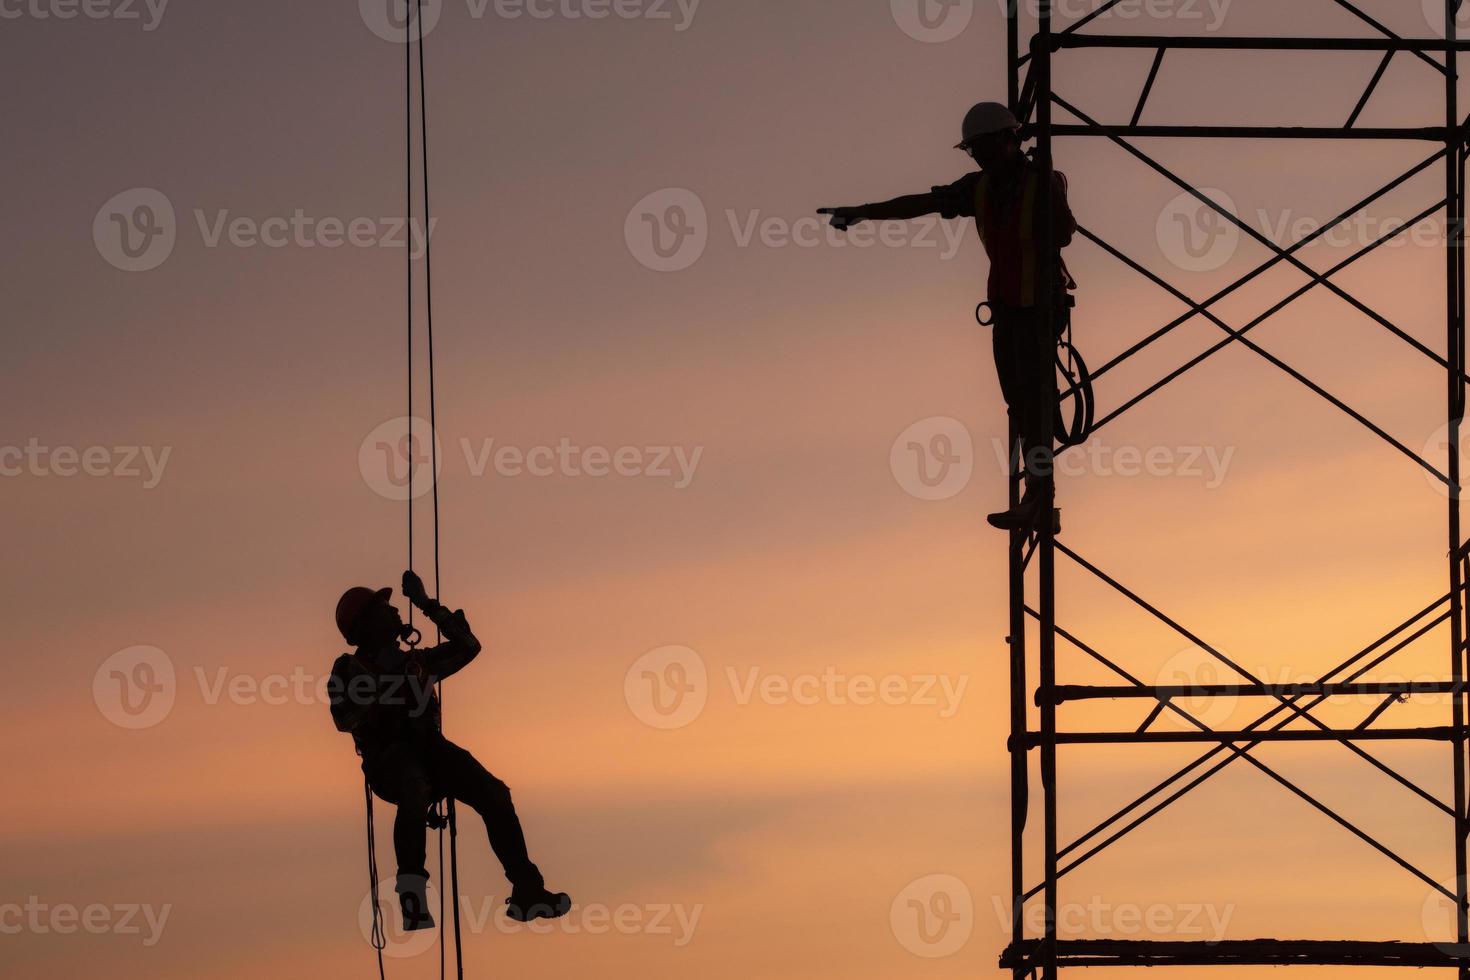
(1011, 230)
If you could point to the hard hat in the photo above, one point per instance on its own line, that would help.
(985, 119)
(353, 604)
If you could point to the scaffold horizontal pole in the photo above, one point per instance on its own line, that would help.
(1431, 134)
(1441, 733)
(1240, 43)
(1063, 693)
(1243, 952)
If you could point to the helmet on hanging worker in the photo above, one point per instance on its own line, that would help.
(986, 119)
(353, 604)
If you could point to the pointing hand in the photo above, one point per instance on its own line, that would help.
(843, 218)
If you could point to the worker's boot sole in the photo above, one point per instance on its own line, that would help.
(552, 905)
(1024, 519)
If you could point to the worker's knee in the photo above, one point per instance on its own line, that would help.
(491, 795)
(415, 794)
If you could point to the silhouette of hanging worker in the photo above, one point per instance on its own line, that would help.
(384, 696)
(1006, 199)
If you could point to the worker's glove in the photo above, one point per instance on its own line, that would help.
(843, 218)
(413, 589)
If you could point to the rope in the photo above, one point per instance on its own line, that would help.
(1079, 385)
(445, 817)
(377, 938)
(434, 485)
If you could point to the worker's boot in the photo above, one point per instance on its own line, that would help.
(1023, 517)
(535, 902)
(413, 900)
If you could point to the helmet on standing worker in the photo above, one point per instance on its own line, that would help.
(986, 119)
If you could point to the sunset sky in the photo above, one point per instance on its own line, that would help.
(748, 395)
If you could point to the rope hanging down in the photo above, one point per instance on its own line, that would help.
(1070, 365)
(444, 810)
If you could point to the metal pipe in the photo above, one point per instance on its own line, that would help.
(1077, 692)
(1238, 43)
(1442, 733)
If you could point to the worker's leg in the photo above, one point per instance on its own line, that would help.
(1038, 369)
(1022, 364)
(401, 777)
(461, 776)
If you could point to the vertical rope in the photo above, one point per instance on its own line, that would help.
(449, 813)
(408, 272)
(377, 937)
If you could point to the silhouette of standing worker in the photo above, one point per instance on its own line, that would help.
(1006, 198)
(385, 697)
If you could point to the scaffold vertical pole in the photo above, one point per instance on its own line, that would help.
(1455, 350)
(1016, 640)
(1046, 527)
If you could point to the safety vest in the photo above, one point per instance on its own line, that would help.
(1011, 240)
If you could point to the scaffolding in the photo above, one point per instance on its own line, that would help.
(1033, 98)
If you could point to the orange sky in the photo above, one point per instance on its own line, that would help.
(767, 837)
